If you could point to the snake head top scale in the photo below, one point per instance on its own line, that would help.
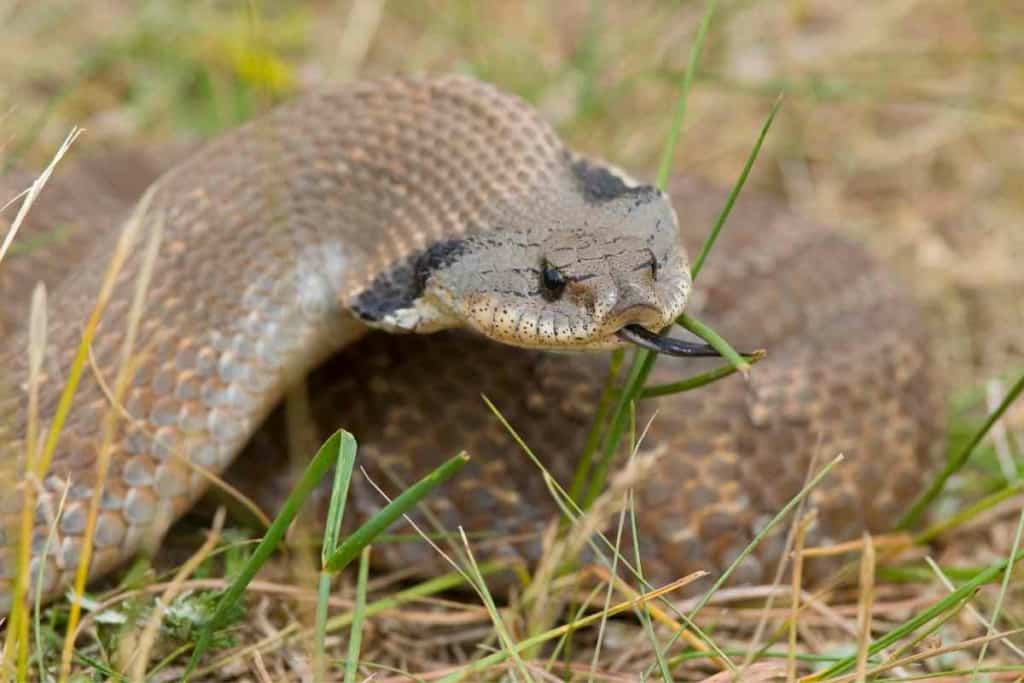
(551, 250)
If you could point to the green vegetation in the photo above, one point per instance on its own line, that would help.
(894, 117)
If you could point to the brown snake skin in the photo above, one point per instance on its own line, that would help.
(270, 233)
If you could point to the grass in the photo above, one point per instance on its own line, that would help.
(643, 361)
(957, 462)
(339, 452)
(355, 636)
(883, 126)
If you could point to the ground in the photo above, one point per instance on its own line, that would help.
(901, 123)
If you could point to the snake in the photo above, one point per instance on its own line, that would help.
(384, 253)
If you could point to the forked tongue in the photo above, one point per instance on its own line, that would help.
(644, 338)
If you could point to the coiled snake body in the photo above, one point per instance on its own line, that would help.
(419, 206)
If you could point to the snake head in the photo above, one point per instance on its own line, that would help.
(594, 264)
(574, 285)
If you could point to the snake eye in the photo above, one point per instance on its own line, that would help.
(552, 282)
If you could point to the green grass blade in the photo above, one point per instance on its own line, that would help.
(588, 60)
(595, 658)
(484, 663)
(332, 532)
(582, 473)
(293, 631)
(716, 341)
(563, 644)
(643, 362)
(339, 495)
(959, 460)
(355, 638)
(937, 571)
(572, 511)
(705, 249)
(645, 610)
(998, 607)
(968, 513)
(323, 595)
(778, 517)
(362, 536)
(988, 575)
(500, 628)
(438, 584)
(668, 153)
(328, 455)
(697, 381)
(914, 644)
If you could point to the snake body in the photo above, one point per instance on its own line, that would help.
(308, 238)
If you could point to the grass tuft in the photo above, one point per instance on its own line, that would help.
(332, 532)
(329, 454)
(956, 463)
(1001, 597)
(359, 539)
(338, 451)
(16, 641)
(109, 428)
(922, 618)
(899, 123)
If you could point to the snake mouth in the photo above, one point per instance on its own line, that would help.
(645, 339)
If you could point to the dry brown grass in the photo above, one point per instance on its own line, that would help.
(903, 123)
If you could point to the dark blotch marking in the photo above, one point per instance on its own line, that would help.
(404, 281)
(601, 185)
(390, 291)
(438, 255)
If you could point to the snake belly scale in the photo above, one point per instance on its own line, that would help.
(315, 236)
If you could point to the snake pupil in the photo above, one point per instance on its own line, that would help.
(552, 282)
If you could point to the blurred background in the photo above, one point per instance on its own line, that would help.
(902, 123)
(903, 120)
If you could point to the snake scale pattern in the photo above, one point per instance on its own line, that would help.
(305, 240)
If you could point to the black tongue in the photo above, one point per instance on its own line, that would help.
(644, 338)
